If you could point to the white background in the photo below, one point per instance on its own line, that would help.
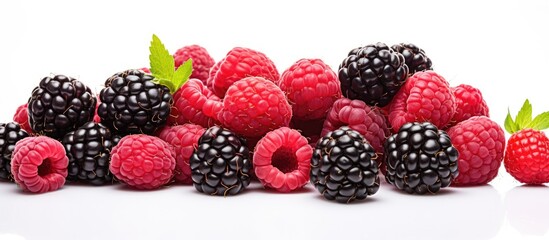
(498, 46)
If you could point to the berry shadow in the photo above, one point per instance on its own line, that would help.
(442, 192)
(127, 188)
(368, 200)
(260, 189)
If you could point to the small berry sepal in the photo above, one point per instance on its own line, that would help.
(524, 120)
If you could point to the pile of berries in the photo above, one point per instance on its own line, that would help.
(220, 125)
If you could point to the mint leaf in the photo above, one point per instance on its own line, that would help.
(162, 63)
(164, 82)
(510, 125)
(524, 116)
(182, 74)
(540, 122)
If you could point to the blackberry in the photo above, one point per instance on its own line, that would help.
(88, 149)
(60, 104)
(132, 103)
(414, 57)
(10, 134)
(420, 158)
(373, 73)
(221, 164)
(343, 166)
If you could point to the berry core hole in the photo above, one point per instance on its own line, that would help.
(284, 159)
(45, 168)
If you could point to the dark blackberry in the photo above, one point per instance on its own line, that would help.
(88, 149)
(132, 103)
(60, 104)
(221, 164)
(343, 166)
(373, 73)
(415, 57)
(420, 159)
(10, 134)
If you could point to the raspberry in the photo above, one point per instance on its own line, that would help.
(366, 120)
(420, 159)
(96, 117)
(22, 117)
(240, 63)
(194, 103)
(213, 71)
(221, 163)
(254, 106)
(39, 164)
(311, 87)
(145, 70)
(10, 134)
(343, 167)
(282, 160)
(469, 103)
(202, 61)
(526, 156)
(184, 139)
(142, 161)
(425, 97)
(480, 143)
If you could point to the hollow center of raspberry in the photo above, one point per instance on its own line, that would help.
(284, 159)
(44, 168)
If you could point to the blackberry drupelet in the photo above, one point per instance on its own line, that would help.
(373, 73)
(221, 164)
(10, 134)
(60, 104)
(132, 103)
(88, 149)
(343, 166)
(420, 158)
(414, 57)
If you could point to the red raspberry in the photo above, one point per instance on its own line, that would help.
(425, 97)
(202, 61)
(39, 164)
(254, 106)
(240, 63)
(96, 117)
(282, 160)
(22, 117)
(142, 161)
(526, 156)
(194, 103)
(469, 103)
(146, 70)
(184, 139)
(356, 114)
(480, 143)
(311, 87)
(213, 72)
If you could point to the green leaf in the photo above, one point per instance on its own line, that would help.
(540, 122)
(524, 116)
(165, 82)
(510, 125)
(182, 74)
(162, 62)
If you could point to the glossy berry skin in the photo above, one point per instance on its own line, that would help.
(196, 104)
(221, 163)
(420, 159)
(282, 160)
(343, 166)
(311, 87)
(414, 57)
(238, 64)
(60, 104)
(10, 134)
(254, 106)
(143, 162)
(202, 61)
(373, 73)
(469, 103)
(89, 150)
(21, 116)
(131, 103)
(184, 138)
(480, 143)
(39, 164)
(425, 97)
(526, 156)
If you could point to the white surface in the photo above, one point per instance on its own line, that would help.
(497, 46)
